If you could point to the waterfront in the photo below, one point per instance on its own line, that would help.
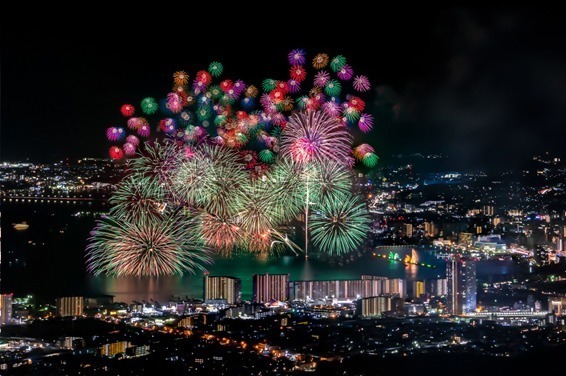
(47, 259)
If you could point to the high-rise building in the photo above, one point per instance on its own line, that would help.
(374, 305)
(488, 210)
(268, 287)
(408, 230)
(418, 289)
(70, 306)
(222, 288)
(430, 229)
(461, 295)
(341, 290)
(436, 287)
(395, 286)
(5, 308)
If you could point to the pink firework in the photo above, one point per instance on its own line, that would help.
(127, 110)
(279, 119)
(174, 103)
(144, 130)
(321, 79)
(365, 124)
(314, 136)
(294, 86)
(361, 83)
(129, 149)
(116, 153)
(298, 73)
(189, 152)
(345, 73)
(296, 57)
(331, 108)
(115, 133)
(133, 140)
(134, 123)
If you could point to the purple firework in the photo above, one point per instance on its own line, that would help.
(345, 73)
(296, 57)
(365, 123)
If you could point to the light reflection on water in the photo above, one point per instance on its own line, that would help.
(128, 289)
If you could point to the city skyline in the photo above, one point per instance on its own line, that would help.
(474, 85)
(331, 196)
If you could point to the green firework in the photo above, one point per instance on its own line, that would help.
(339, 226)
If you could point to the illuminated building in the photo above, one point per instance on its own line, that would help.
(436, 287)
(418, 289)
(347, 289)
(375, 305)
(461, 294)
(268, 287)
(488, 210)
(557, 304)
(5, 308)
(408, 230)
(496, 221)
(430, 229)
(70, 306)
(113, 349)
(222, 288)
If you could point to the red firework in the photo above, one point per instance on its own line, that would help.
(127, 110)
(298, 73)
(116, 152)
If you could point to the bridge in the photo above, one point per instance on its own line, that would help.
(37, 199)
(508, 314)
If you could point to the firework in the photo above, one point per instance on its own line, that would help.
(215, 68)
(133, 140)
(267, 156)
(220, 233)
(337, 63)
(333, 88)
(321, 79)
(137, 196)
(129, 149)
(365, 124)
(252, 91)
(314, 136)
(361, 83)
(149, 106)
(115, 134)
(345, 72)
(199, 167)
(339, 226)
(116, 153)
(294, 86)
(296, 57)
(298, 73)
(127, 110)
(329, 181)
(320, 61)
(181, 78)
(146, 246)
(268, 84)
(370, 160)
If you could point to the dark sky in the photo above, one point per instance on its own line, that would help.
(485, 86)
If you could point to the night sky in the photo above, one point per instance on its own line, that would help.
(487, 87)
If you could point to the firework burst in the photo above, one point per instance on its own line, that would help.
(339, 226)
(145, 246)
(314, 136)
